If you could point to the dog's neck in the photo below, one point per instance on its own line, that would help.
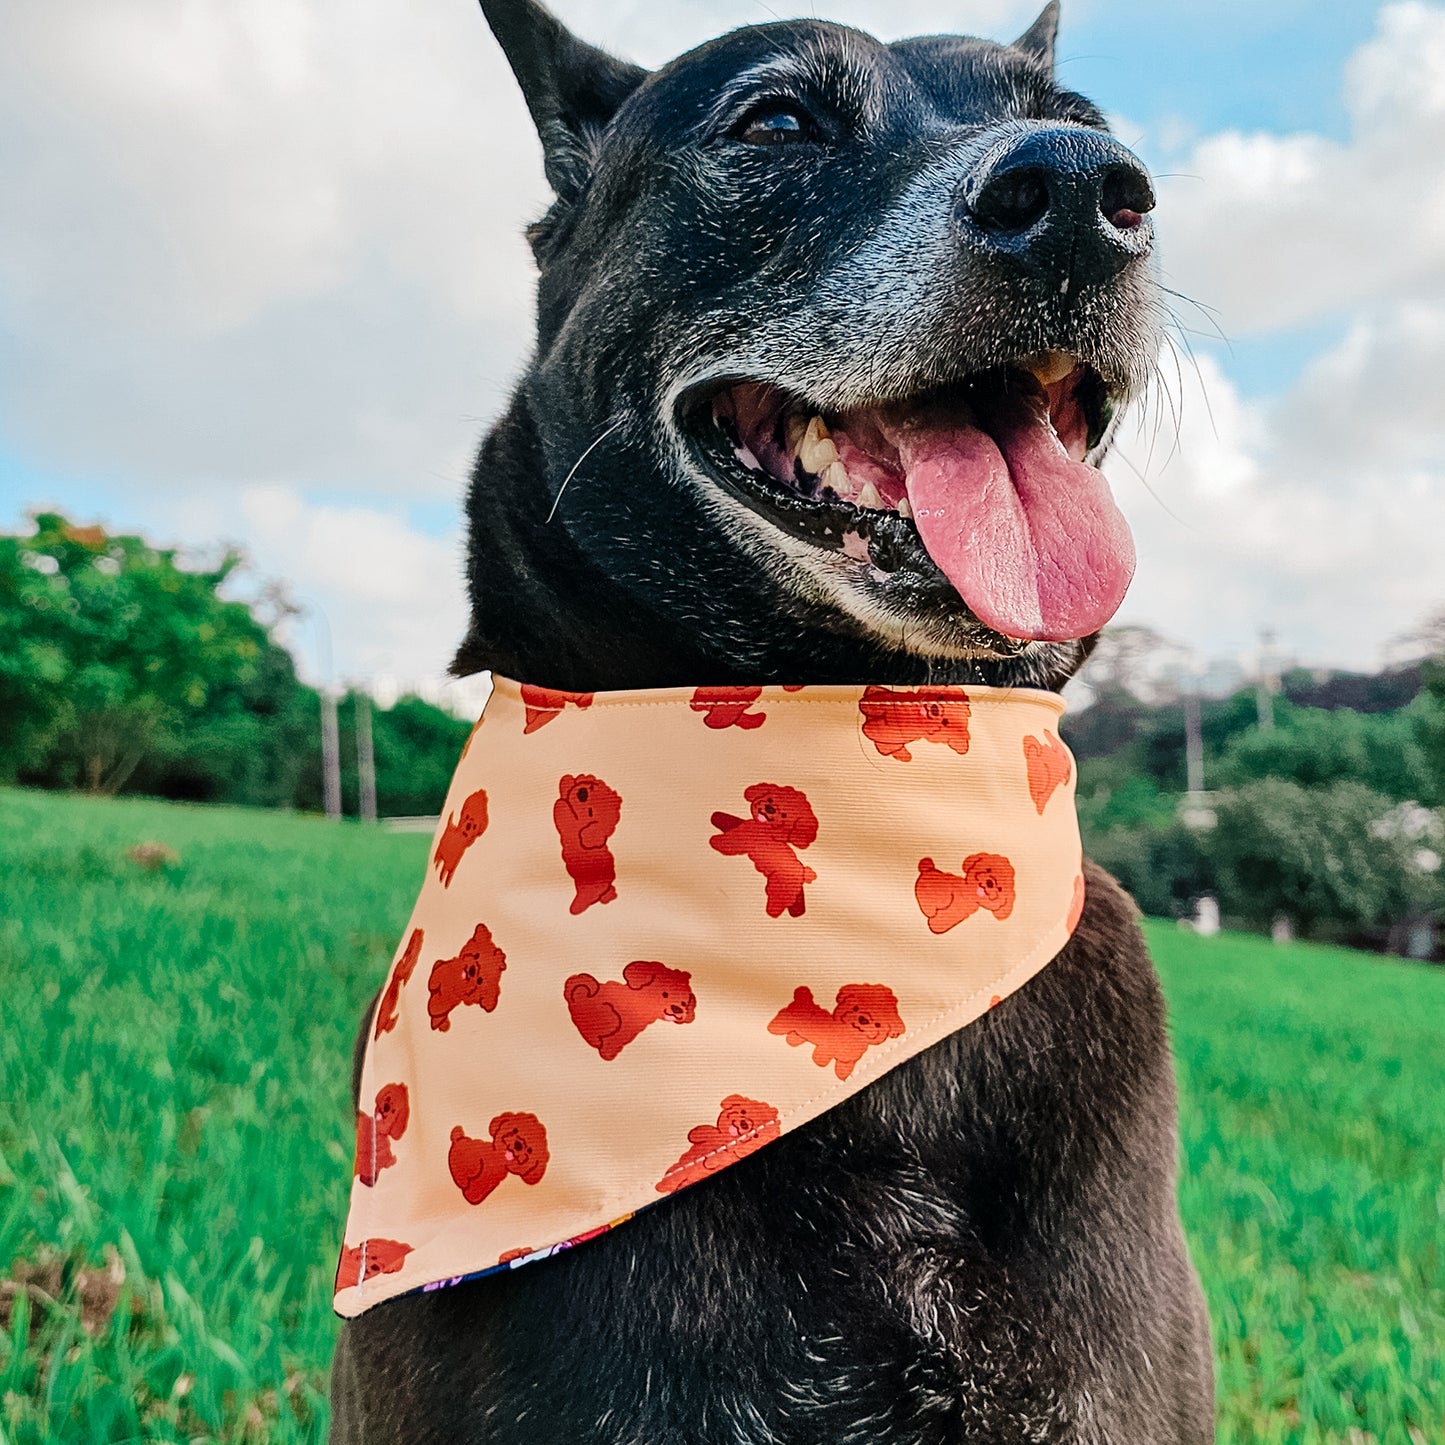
(544, 612)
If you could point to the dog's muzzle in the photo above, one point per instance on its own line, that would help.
(1062, 204)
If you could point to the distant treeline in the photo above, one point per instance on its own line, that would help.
(1328, 818)
(122, 670)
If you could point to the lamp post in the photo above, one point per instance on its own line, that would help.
(1193, 738)
(330, 727)
(330, 754)
(365, 759)
(1268, 683)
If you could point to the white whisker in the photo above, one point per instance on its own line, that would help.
(556, 501)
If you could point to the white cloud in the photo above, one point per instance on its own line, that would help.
(262, 260)
(1279, 231)
(1318, 516)
(1318, 513)
(393, 598)
(386, 599)
(652, 33)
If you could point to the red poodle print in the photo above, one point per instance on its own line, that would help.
(865, 1014)
(474, 976)
(405, 966)
(376, 1131)
(1048, 765)
(518, 1146)
(586, 815)
(782, 820)
(892, 720)
(459, 835)
(742, 1128)
(610, 1015)
(728, 707)
(360, 1262)
(946, 899)
(545, 703)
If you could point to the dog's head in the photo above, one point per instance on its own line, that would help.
(472, 820)
(742, 1118)
(523, 1143)
(669, 989)
(595, 808)
(991, 877)
(785, 811)
(480, 956)
(393, 1109)
(832, 335)
(871, 1009)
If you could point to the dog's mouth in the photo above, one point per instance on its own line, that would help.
(984, 481)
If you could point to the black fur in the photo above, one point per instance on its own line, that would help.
(984, 1244)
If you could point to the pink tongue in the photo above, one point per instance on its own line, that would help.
(1031, 539)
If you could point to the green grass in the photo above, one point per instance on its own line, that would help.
(174, 1145)
(173, 1055)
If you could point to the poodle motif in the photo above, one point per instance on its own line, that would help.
(728, 707)
(610, 1015)
(545, 703)
(364, 1261)
(865, 1014)
(781, 821)
(892, 719)
(459, 835)
(586, 815)
(405, 966)
(742, 1128)
(1048, 765)
(474, 976)
(946, 899)
(518, 1146)
(376, 1131)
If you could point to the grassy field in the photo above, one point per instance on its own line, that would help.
(174, 1144)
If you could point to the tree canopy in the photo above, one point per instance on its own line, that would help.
(123, 668)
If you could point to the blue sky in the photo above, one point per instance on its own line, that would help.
(262, 281)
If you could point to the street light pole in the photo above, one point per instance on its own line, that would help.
(330, 753)
(1193, 742)
(330, 728)
(365, 759)
(1268, 683)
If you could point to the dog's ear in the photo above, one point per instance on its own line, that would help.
(571, 88)
(1037, 41)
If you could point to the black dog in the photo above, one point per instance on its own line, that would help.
(791, 284)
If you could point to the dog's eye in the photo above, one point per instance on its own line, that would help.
(777, 122)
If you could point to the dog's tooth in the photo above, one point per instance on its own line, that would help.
(816, 451)
(748, 459)
(869, 499)
(797, 426)
(1050, 366)
(905, 508)
(835, 475)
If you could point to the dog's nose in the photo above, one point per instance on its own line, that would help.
(1061, 202)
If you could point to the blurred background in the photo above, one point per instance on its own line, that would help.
(262, 288)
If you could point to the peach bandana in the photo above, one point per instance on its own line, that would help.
(659, 929)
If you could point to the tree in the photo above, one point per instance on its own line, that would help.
(114, 656)
(1314, 748)
(1327, 857)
